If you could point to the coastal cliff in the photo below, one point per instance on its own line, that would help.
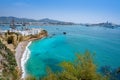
(10, 68)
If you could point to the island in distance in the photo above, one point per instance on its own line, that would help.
(106, 24)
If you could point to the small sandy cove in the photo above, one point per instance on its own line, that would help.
(19, 52)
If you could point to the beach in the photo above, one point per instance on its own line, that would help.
(24, 59)
(22, 54)
(19, 52)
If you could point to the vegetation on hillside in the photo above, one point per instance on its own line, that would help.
(83, 68)
(113, 73)
(12, 39)
(8, 64)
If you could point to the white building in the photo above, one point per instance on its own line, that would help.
(33, 31)
(28, 32)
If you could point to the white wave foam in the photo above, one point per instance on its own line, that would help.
(24, 59)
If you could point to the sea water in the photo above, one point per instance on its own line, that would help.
(57, 47)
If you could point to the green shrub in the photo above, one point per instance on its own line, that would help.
(83, 68)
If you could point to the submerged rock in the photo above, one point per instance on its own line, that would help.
(64, 33)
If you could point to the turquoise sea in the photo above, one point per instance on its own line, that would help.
(50, 51)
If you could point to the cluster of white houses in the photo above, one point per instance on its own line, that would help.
(24, 32)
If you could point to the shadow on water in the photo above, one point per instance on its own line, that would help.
(113, 73)
(53, 64)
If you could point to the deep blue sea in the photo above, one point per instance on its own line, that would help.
(50, 51)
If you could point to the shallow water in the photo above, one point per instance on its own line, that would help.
(50, 51)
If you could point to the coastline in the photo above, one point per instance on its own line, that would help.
(25, 57)
(22, 54)
(19, 52)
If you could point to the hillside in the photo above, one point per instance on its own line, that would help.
(9, 69)
(8, 66)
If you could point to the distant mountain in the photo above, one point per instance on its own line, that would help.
(49, 20)
(54, 22)
(19, 20)
(45, 21)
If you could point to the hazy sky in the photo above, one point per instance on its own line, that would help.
(80, 11)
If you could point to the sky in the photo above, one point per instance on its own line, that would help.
(78, 11)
